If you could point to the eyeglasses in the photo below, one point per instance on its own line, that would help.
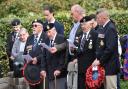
(35, 25)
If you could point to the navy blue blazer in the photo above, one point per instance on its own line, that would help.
(107, 48)
(38, 50)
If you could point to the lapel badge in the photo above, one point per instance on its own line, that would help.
(90, 44)
(29, 48)
(48, 27)
(77, 39)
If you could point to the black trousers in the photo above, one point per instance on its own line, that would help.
(39, 86)
(11, 64)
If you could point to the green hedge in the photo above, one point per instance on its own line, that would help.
(121, 19)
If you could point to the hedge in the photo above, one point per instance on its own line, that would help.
(121, 20)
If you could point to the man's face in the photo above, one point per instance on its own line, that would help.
(23, 36)
(50, 33)
(17, 28)
(74, 15)
(48, 15)
(86, 26)
(37, 28)
(100, 19)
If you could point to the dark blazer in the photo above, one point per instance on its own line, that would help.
(51, 62)
(38, 49)
(88, 55)
(59, 27)
(107, 49)
(10, 42)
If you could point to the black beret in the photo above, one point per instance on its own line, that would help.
(85, 19)
(38, 21)
(15, 22)
(50, 26)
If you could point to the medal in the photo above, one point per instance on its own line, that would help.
(101, 43)
(90, 44)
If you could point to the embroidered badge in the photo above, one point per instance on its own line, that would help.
(101, 35)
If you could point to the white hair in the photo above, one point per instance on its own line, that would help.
(77, 8)
(103, 11)
(23, 30)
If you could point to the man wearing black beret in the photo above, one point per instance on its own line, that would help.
(54, 64)
(16, 26)
(86, 52)
(33, 47)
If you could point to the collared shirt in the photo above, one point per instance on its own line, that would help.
(22, 46)
(73, 31)
(53, 21)
(87, 34)
(52, 40)
(106, 22)
(38, 37)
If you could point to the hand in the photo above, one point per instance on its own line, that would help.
(56, 72)
(12, 58)
(53, 49)
(43, 73)
(96, 62)
(74, 61)
(34, 60)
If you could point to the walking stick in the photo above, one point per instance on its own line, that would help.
(44, 83)
(55, 83)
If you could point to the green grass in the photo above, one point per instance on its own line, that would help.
(124, 84)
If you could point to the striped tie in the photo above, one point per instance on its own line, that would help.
(83, 41)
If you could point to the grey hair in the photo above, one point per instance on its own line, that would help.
(78, 9)
(23, 30)
(103, 10)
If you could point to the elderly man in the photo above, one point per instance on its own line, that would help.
(32, 45)
(107, 51)
(54, 64)
(16, 25)
(17, 52)
(49, 16)
(77, 13)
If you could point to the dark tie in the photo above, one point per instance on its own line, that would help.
(15, 36)
(51, 43)
(35, 42)
(83, 41)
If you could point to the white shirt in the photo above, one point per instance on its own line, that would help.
(39, 36)
(22, 46)
(106, 22)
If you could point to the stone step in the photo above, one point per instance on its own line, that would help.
(4, 86)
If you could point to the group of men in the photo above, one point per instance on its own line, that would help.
(96, 43)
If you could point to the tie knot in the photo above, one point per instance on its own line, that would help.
(85, 33)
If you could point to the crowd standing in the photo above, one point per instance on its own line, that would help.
(77, 62)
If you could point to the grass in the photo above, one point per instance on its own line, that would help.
(124, 84)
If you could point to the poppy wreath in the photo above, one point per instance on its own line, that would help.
(29, 79)
(94, 84)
